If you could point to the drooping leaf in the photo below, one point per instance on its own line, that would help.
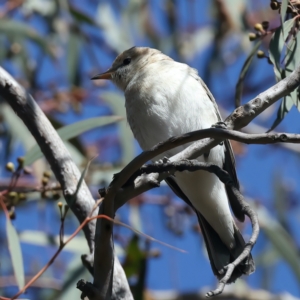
(15, 28)
(134, 256)
(280, 240)
(15, 253)
(284, 5)
(74, 43)
(70, 131)
(276, 46)
(286, 105)
(77, 245)
(245, 68)
(75, 141)
(80, 16)
(292, 61)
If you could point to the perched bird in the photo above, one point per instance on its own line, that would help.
(165, 98)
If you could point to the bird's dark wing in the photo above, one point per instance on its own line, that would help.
(229, 163)
(219, 255)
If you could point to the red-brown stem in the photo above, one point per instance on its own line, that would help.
(88, 219)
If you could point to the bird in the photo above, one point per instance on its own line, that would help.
(165, 98)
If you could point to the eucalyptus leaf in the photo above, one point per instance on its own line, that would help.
(276, 46)
(244, 71)
(292, 60)
(280, 239)
(77, 245)
(74, 44)
(284, 6)
(285, 106)
(134, 257)
(81, 17)
(19, 29)
(15, 253)
(70, 131)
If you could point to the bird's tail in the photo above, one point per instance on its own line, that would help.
(220, 256)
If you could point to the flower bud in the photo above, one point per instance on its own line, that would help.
(45, 180)
(47, 174)
(10, 167)
(258, 27)
(274, 5)
(260, 54)
(252, 36)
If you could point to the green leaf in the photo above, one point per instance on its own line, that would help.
(286, 105)
(70, 131)
(277, 45)
(15, 253)
(74, 43)
(19, 29)
(284, 5)
(77, 245)
(134, 257)
(292, 60)
(244, 71)
(81, 17)
(280, 240)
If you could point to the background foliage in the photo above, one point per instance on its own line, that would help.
(54, 47)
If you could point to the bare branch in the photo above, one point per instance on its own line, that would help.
(62, 165)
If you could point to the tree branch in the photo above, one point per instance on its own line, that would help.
(238, 119)
(62, 165)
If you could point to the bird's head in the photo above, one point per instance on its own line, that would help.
(129, 63)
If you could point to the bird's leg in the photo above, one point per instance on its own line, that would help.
(161, 161)
(221, 125)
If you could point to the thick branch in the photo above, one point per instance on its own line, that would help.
(145, 183)
(62, 165)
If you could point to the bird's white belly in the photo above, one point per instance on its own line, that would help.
(155, 119)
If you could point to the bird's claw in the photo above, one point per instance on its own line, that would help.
(162, 161)
(220, 124)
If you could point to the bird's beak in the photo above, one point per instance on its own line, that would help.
(105, 75)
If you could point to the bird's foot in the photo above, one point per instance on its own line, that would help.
(162, 161)
(220, 124)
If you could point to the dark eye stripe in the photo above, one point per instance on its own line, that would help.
(127, 61)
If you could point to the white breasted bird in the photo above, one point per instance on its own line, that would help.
(165, 98)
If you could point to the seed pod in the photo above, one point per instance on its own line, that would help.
(252, 36)
(258, 27)
(274, 5)
(265, 25)
(22, 196)
(47, 174)
(260, 54)
(45, 180)
(10, 167)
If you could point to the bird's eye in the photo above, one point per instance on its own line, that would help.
(127, 61)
